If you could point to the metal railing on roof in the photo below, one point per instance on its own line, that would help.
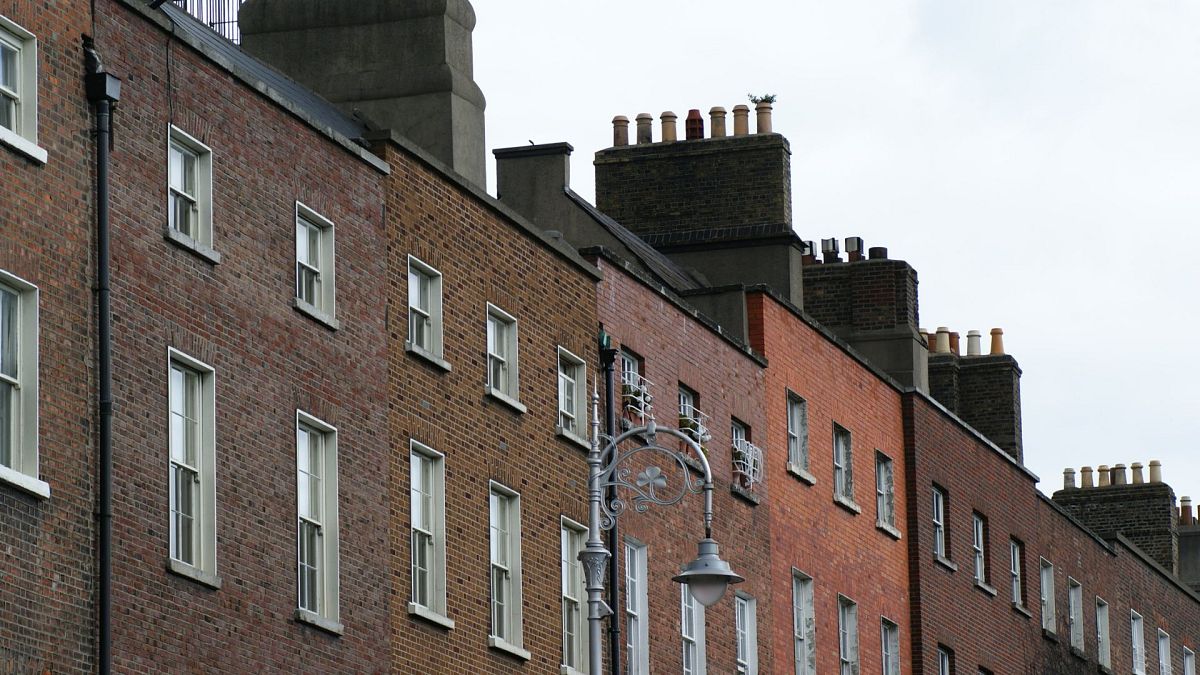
(219, 15)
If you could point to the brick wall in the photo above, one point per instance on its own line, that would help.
(698, 191)
(46, 225)
(270, 360)
(843, 551)
(861, 296)
(1144, 513)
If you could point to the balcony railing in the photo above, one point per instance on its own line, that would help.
(635, 395)
(694, 423)
(219, 15)
(747, 461)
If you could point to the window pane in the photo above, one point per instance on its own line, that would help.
(8, 67)
(6, 423)
(184, 496)
(309, 562)
(8, 333)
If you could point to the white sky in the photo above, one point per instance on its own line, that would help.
(1037, 162)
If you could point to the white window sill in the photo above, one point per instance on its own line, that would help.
(423, 612)
(799, 472)
(313, 619)
(983, 586)
(1020, 609)
(315, 314)
(847, 503)
(507, 400)
(35, 487)
(570, 436)
(502, 645)
(23, 145)
(568, 670)
(420, 353)
(888, 529)
(194, 573)
(945, 562)
(197, 248)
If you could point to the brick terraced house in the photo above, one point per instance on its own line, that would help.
(351, 392)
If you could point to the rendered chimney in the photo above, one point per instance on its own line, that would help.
(668, 126)
(973, 343)
(741, 120)
(645, 132)
(997, 341)
(1155, 471)
(762, 111)
(854, 249)
(1085, 477)
(620, 131)
(406, 66)
(943, 340)
(1118, 475)
(693, 126)
(1068, 479)
(1138, 478)
(717, 114)
(1105, 475)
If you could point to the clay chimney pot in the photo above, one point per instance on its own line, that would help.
(668, 126)
(943, 340)
(997, 341)
(1138, 478)
(645, 133)
(1105, 475)
(741, 120)
(1068, 479)
(1085, 477)
(1155, 471)
(762, 111)
(972, 343)
(717, 115)
(1118, 475)
(620, 131)
(693, 126)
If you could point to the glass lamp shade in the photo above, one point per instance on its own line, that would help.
(707, 576)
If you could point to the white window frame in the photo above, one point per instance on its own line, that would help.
(885, 492)
(427, 484)
(848, 652)
(432, 347)
(939, 523)
(203, 566)
(1075, 613)
(945, 661)
(505, 628)
(691, 630)
(1137, 642)
(326, 614)
(323, 304)
(889, 637)
(745, 619)
(572, 540)
(637, 618)
(1103, 642)
(1189, 662)
(1165, 667)
(21, 468)
(23, 136)
(804, 624)
(1049, 614)
(797, 431)
(502, 332)
(843, 464)
(1016, 555)
(202, 240)
(572, 379)
(979, 547)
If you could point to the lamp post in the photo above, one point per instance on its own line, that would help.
(609, 467)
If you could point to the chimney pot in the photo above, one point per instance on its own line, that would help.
(829, 250)
(668, 126)
(741, 120)
(1138, 478)
(943, 340)
(762, 111)
(1068, 479)
(693, 126)
(924, 335)
(997, 341)
(1105, 475)
(1085, 477)
(973, 345)
(645, 134)
(877, 253)
(808, 255)
(620, 130)
(854, 248)
(1155, 471)
(1118, 475)
(717, 113)
(932, 342)
(954, 343)
(1185, 511)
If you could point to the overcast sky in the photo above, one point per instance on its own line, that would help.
(1037, 162)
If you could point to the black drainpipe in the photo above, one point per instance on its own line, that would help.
(103, 91)
(608, 358)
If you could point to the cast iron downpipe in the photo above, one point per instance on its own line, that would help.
(608, 358)
(103, 91)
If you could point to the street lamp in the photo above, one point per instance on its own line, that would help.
(707, 576)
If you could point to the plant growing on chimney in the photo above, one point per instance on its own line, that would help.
(765, 98)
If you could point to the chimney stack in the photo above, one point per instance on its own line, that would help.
(693, 126)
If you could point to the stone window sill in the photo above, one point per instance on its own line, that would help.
(434, 617)
(503, 645)
(23, 145)
(1049, 634)
(325, 624)
(507, 400)
(799, 472)
(847, 503)
(745, 494)
(194, 573)
(202, 251)
(1078, 653)
(945, 562)
(315, 314)
(29, 484)
(983, 586)
(1020, 609)
(426, 356)
(570, 437)
(889, 530)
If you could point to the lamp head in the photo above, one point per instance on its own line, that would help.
(707, 576)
